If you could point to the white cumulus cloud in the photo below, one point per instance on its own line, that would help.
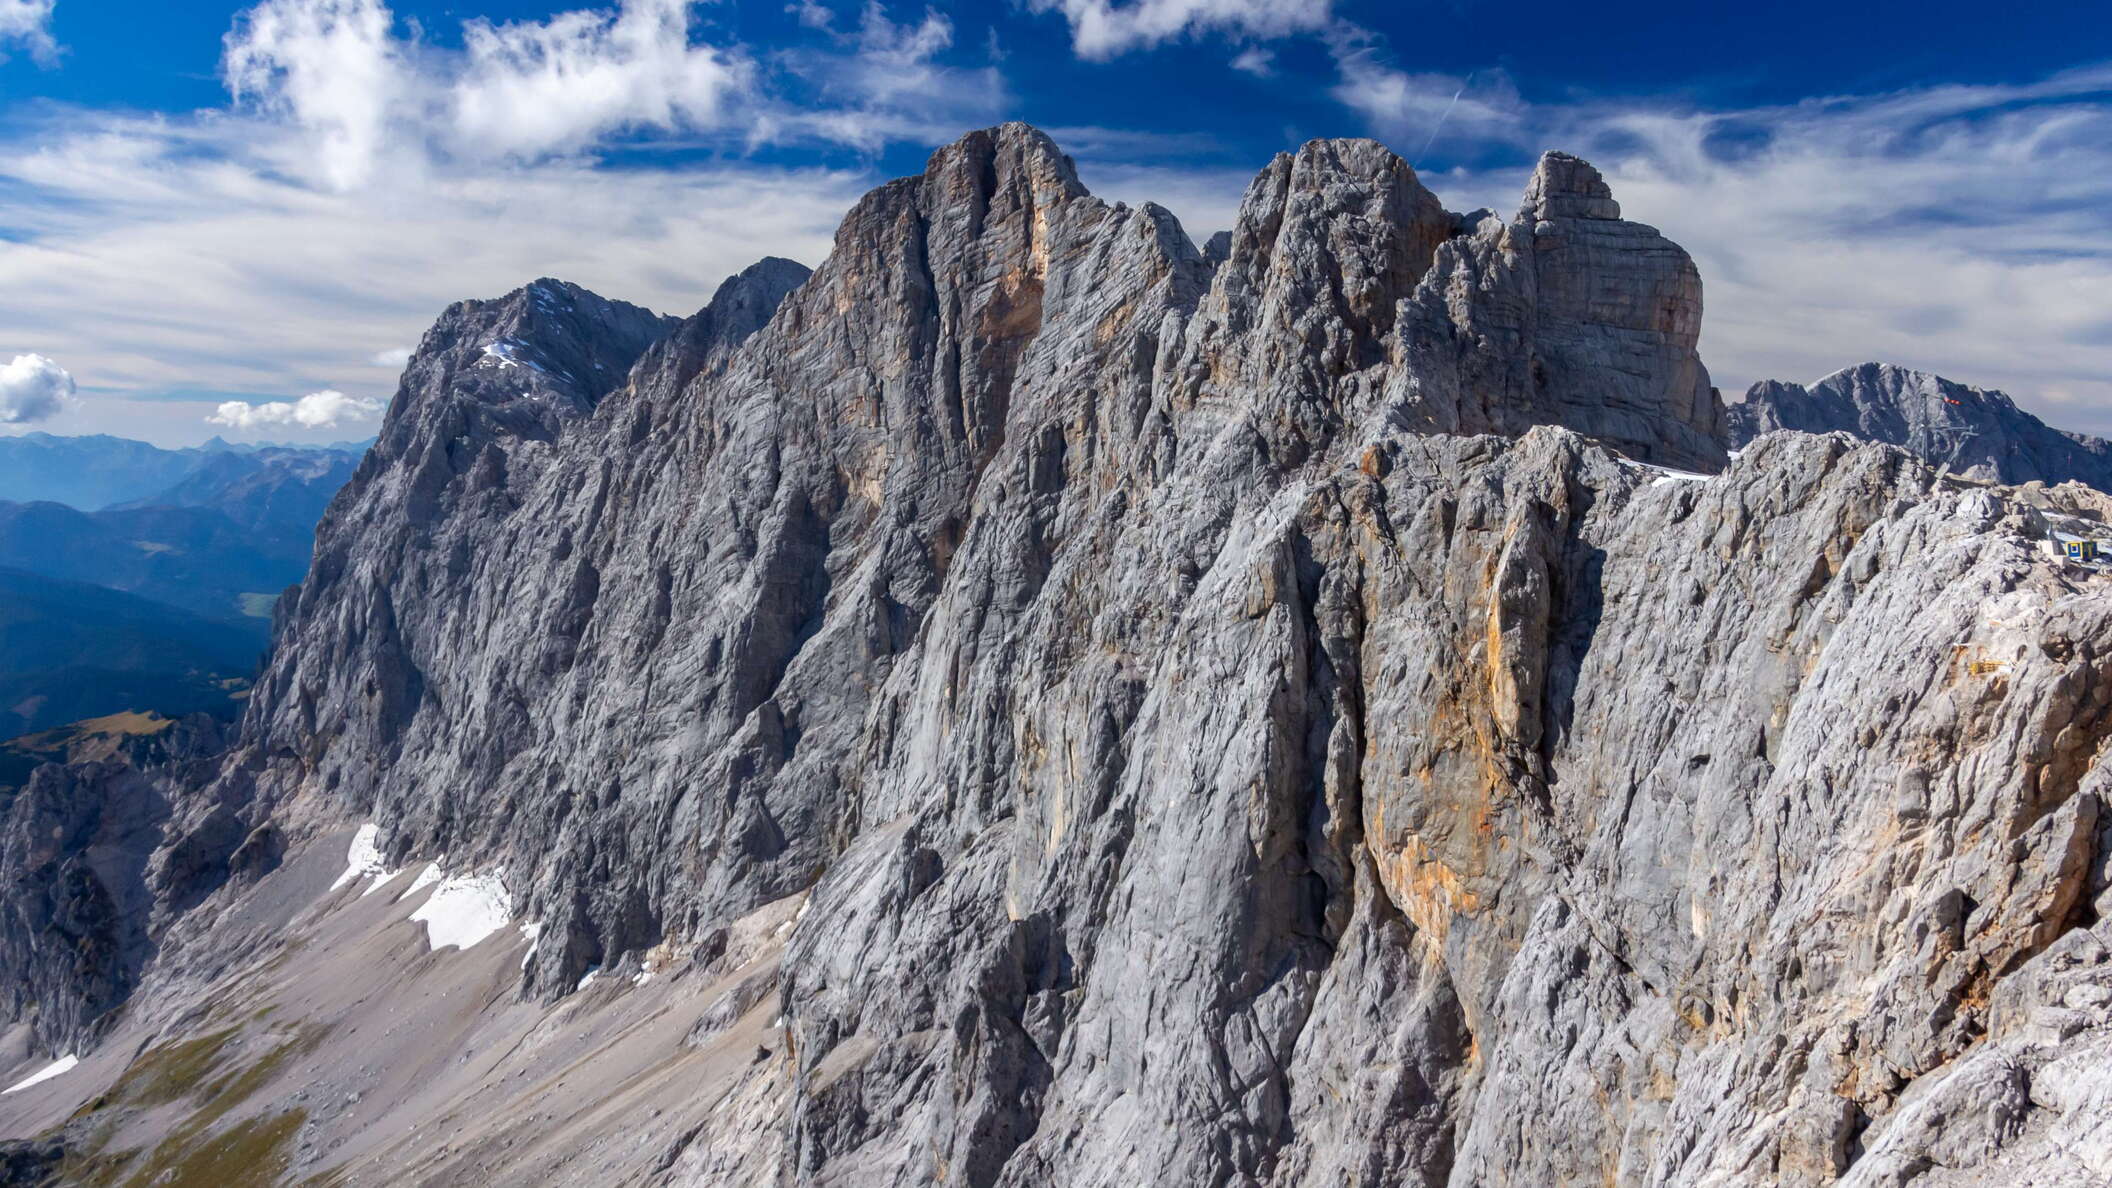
(333, 67)
(1255, 60)
(394, 357)
(33, 388)
(317, 410)
(884, 83)
(376, 100)
(1103, 29)
(28, 24)
(532, 88)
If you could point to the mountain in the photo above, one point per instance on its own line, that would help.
(86, 472)
(267, 489)
(195, 559)
(1035, 703)
(206, 557)
(229, 530)
(1970, 431)
(98, 471)
(136, 738)
(70, 651)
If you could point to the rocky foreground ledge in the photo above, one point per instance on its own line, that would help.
(1034, 702)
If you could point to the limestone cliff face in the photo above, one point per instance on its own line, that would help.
(1970, 431)
(1265, 715)
(713, 581)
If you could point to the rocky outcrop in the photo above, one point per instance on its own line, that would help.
(1083, 710)
(75, 900)
(1566, 315)
(1975, 432)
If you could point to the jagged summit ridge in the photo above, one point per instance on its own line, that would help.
(1031, 702)
(1971, 431)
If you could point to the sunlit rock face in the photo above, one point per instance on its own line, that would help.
(1322, 710)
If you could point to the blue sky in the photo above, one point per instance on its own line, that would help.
(264, 204)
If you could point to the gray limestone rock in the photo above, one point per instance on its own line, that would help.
(1258, 716)
(1970, 431)
(76, 902)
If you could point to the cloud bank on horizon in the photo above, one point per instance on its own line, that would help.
(326, 409)
(365, 166)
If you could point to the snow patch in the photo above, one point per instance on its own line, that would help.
(507, 353)
(63, 1064)
(1666, 474)
(426, 878)
(593, 971)
(364, 860)
(533, 931)
(463, 911)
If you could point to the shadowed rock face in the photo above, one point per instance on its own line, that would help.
(1970, 431)
(76, 907)
(1251, 717)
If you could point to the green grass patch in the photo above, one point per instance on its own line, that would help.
(170, 1072)
(251, 1151)
(250, 1154)
(257, 606)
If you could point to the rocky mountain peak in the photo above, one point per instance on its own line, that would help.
(1977, 432)
(1034, 703)
(1567, 187)
(1011, 175)
(564, 340)
(518, 365)
(1341, 230)
(741, 306)
(1015, 152)
(1565, 315)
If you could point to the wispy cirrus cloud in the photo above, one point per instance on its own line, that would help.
(291, 287)
(306, 217)
(881, 82)
(1103, 29)
(1956, 229)
(27, 24)
(1413, 110)
(363, 87)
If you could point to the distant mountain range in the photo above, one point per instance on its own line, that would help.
(1975, 432)
(71, 650)
(99, 471)
(193, 545)
(199, 559)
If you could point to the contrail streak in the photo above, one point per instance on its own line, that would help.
(1441, 121)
